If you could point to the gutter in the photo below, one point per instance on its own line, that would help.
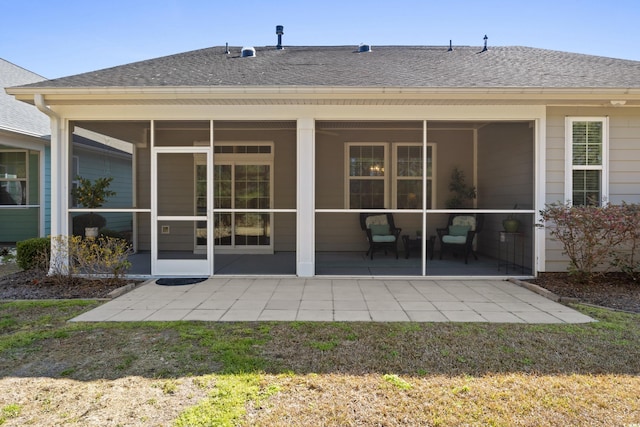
(38, 100)
(153, 94)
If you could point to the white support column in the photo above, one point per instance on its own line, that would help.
(60, 142)
(305, 222)
(540, 181)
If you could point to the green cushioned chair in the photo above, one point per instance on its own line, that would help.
(382, 233)
(459, 234)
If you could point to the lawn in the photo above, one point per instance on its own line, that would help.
(302, 374)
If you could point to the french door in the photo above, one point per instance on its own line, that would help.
(242, 191)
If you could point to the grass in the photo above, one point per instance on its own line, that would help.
(299, 373)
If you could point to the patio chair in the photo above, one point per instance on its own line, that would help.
(459, 234)
(382, 233)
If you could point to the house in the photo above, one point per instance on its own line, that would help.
(25, 167)
(24, 154)
(261, 160)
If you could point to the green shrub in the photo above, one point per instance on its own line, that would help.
(33, 253)
(104, 256)
(596, 239)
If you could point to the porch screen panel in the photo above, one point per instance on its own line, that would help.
(242, 186)
(252, 191)
(222, 199)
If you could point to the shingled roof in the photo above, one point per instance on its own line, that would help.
(17, 116)
(384, 66)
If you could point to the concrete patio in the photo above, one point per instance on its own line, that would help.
(345, 300)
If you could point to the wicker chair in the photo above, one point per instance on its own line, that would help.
(382, 234)
(460, 233)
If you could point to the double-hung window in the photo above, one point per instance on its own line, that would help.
(587, 160)
(373, 184)
(408, 175)
(366, 176)
(13, 178)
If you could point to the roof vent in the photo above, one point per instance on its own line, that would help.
(248, 52)
(485, 43)
(279, 32)
(364, 48)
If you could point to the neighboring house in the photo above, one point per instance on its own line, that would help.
(25, 164)
(24, 161)
(240, 160)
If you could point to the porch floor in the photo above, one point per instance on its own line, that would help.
(323, 299)
(344, 264)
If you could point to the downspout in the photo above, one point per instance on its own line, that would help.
(58, 263)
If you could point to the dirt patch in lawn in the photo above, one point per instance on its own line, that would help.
(612, 290)
(35, 284)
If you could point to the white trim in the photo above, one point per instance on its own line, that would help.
(423, 249)
(452, 113)
(305, 197)
(540, 184)
(323, 92)
(177, 267)
(570, 167)
(475, 168)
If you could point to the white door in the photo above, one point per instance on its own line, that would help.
(177, 212)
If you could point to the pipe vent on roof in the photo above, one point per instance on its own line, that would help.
(364, 48)
(247, 52)
(279, 33)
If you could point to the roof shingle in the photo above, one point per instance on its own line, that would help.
(385, 66)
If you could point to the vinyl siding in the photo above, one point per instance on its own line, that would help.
(624, 161)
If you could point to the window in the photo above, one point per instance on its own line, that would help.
(368, 185)
(13, 177)
(243, 177)
(407, 179)
(586, 154)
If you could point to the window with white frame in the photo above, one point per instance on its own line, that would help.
(407, 175)
(366, 177)
(371, 184)
(14, 175)
(587, 160)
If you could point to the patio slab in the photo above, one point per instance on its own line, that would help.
(357, 300)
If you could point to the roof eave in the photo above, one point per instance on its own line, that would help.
(113, 93)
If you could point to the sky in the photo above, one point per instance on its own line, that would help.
(57, 39)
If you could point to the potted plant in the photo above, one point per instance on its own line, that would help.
(92, 195)
(462, 193)
(511, 224)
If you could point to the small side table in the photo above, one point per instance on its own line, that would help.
(508, 245)
(416, 245)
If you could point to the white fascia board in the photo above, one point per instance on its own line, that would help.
(322, 92)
